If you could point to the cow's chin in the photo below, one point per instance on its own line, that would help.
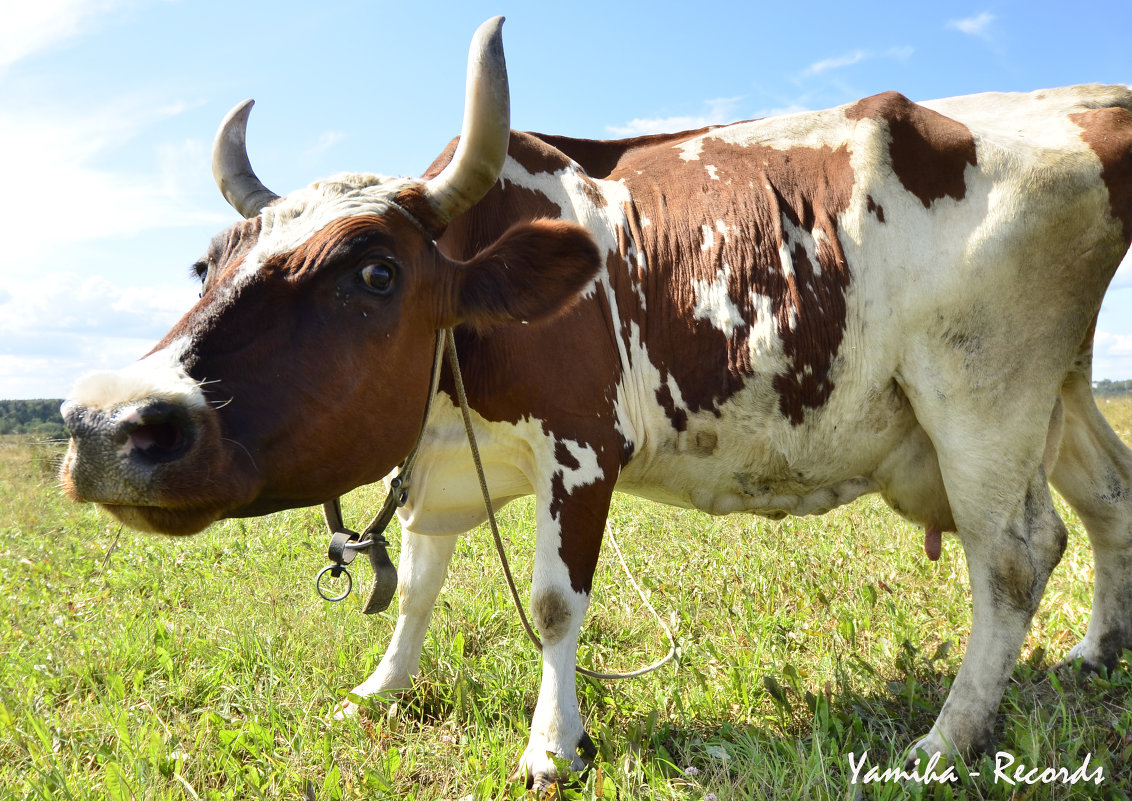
(157, 520)
(183, 522)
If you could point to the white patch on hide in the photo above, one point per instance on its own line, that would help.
(690, 150)
(714, 303)
(709, 238)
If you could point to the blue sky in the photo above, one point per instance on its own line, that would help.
(108, 108)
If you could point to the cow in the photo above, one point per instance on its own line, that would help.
(775, 316)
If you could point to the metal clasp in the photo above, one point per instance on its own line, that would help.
(344, 546)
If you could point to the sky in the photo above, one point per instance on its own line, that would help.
(108, 109)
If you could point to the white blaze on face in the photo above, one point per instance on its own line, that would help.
(300, 215)
(158, 376)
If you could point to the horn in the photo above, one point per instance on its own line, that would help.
(232, 169)
(479, 156)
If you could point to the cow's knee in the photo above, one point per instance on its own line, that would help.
(554, 614)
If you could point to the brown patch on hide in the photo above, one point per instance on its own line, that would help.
(875, 208)
(581, 516)
(1108, 131)
(678, 417)
(562, 370)
(929, 151)
(600, 157)
(754, 190)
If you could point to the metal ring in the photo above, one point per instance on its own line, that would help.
(335, 598)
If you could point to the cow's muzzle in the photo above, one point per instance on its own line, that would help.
(154, 458)
(116, 454)
(147, 435)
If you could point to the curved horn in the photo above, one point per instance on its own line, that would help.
(232, 169)
(479, 157)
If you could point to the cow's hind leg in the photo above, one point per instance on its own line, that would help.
(1009, 562)
(421, 570)
(1094, 473)
(991, 445)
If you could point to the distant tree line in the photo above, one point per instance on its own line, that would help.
(1110, 388)
(40, 418)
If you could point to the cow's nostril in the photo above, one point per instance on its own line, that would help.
(160, 432)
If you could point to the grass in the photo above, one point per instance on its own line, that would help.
(136, 667)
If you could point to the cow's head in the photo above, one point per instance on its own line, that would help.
(302, 372)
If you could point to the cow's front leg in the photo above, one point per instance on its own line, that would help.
(1009, 566)
(421, 570)
(570, 527)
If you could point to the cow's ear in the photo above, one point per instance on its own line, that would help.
(533, 271)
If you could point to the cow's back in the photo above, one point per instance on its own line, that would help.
(775, 278)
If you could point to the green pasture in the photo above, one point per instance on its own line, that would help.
(139, 667)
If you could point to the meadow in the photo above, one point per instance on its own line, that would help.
(140, 667)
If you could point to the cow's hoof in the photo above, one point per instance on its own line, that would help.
(539, 764)
(1091, 658)
(346, 709)
(928, 747)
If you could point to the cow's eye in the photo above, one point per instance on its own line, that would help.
(378, 276)
(200, 272)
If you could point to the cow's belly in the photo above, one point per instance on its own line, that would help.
(732, 483)
(761, 464)
(754, 495)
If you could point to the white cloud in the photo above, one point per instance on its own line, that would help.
(56, 195)
(836, 63)
(55, 328)
(30, 27)
(326, 141)
(978, 25)
(717, 112)
(898, 53)
(1112, 356)
(1113, 344)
